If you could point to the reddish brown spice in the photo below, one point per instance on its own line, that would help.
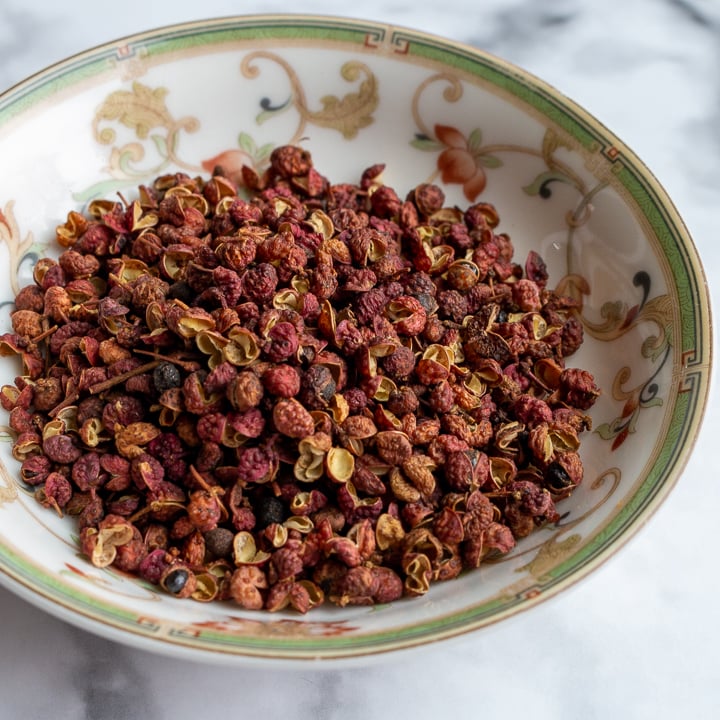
(322, 392)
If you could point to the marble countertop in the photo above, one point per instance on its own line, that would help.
(639, 638)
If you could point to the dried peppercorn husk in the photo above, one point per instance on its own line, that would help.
(320, 392)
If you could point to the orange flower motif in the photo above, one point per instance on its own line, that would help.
(231, 161)
(457, 164)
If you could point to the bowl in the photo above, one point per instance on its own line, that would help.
(226, 92)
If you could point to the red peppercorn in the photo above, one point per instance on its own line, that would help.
(258, 373)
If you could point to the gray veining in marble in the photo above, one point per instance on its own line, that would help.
(638, 639)
(107, 676)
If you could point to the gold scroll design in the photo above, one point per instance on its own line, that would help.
(550, 553)
(617, 319)
(8, 486)
(347, 114)
(144, 111)
(19, 248)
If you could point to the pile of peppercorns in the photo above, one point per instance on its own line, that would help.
(311, 392)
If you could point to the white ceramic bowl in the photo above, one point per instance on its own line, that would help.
(356, 93)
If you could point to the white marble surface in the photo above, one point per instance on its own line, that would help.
(638, 639)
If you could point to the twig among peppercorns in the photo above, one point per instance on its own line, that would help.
(350, 395)
(120, 379)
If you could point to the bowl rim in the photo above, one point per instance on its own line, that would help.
(41, 85)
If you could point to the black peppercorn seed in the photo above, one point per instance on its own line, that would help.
(557, 477)
(501, 316)
(428, 302)
(181, 291)
(219, 542)
(270, 510)
(166, 376)
(175, 580)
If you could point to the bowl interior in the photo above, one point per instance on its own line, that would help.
(355, 94)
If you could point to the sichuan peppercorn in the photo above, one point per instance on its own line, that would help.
(341, 393)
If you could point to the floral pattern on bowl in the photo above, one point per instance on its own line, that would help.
(355, 94)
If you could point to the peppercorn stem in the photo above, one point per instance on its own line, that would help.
(189, 366)
(45, 334)
(154, 507)
(69, 400)
(107, 384)
(215, 490)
